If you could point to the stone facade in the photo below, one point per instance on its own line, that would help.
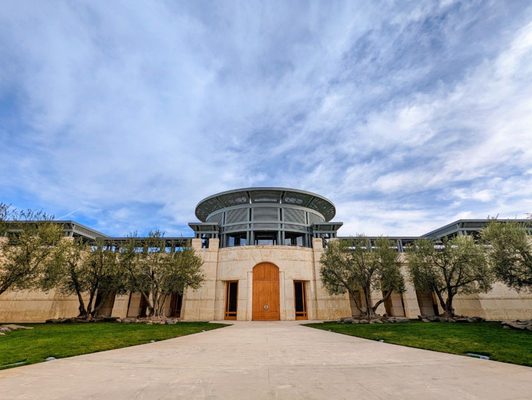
(284, 228)
(236, 264)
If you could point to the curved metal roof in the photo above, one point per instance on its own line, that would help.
(256, 195)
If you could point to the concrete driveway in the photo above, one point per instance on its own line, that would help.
(267, 360)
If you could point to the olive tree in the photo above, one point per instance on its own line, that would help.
(67, 276)
(89, 269)
(28, 247)
(510, 253)
(456, 266)
(156, 273)
(100, 274)
(362, 267)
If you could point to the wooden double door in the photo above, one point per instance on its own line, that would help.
(266, 292)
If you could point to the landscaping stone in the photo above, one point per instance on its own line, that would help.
(151, 321)
(13, 327)
(518, 324)
(376, 320)
(457, 318)
(80, 320)
(396, 319)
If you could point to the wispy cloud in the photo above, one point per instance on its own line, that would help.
(406, 115)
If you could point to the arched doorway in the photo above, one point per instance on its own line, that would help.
(266, 292)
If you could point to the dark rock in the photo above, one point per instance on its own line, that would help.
(395, 319)
(429, 318)
(461, 320)
(518, 324)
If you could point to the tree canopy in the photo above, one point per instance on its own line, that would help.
(156, 273)
(510, 253)
(361, 268)
(456, 266)
(29, 246)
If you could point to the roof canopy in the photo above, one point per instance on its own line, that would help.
(265, 195)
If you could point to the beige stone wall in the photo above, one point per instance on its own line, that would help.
(328, 306)
(199, 304)
(498, 304)
(410, 297)
(236, 264)
(120, 305)
(36, 306)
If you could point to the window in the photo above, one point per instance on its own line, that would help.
(294, 239)
(231, 299)
(236, 239)
(300, 300)
(265, 238)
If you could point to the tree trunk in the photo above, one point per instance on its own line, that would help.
(81, 308)
(369, 304)
(153, 304)
(356, 300)
(92, 294)
(160, 308)
(103, 299)
(441, 299)
(449, 310)
(384, 298)
(3, 288)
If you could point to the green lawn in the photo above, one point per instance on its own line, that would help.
(486, 338)
(64, 340)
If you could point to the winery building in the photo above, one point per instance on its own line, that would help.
(261, 249)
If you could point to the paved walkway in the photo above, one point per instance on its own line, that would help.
(267, 360)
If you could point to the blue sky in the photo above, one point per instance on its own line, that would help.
(123, 115)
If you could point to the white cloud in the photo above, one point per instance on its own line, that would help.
(127, 115)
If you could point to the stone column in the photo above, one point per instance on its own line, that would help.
(199, 304)
(327, 306)
(409, 296)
